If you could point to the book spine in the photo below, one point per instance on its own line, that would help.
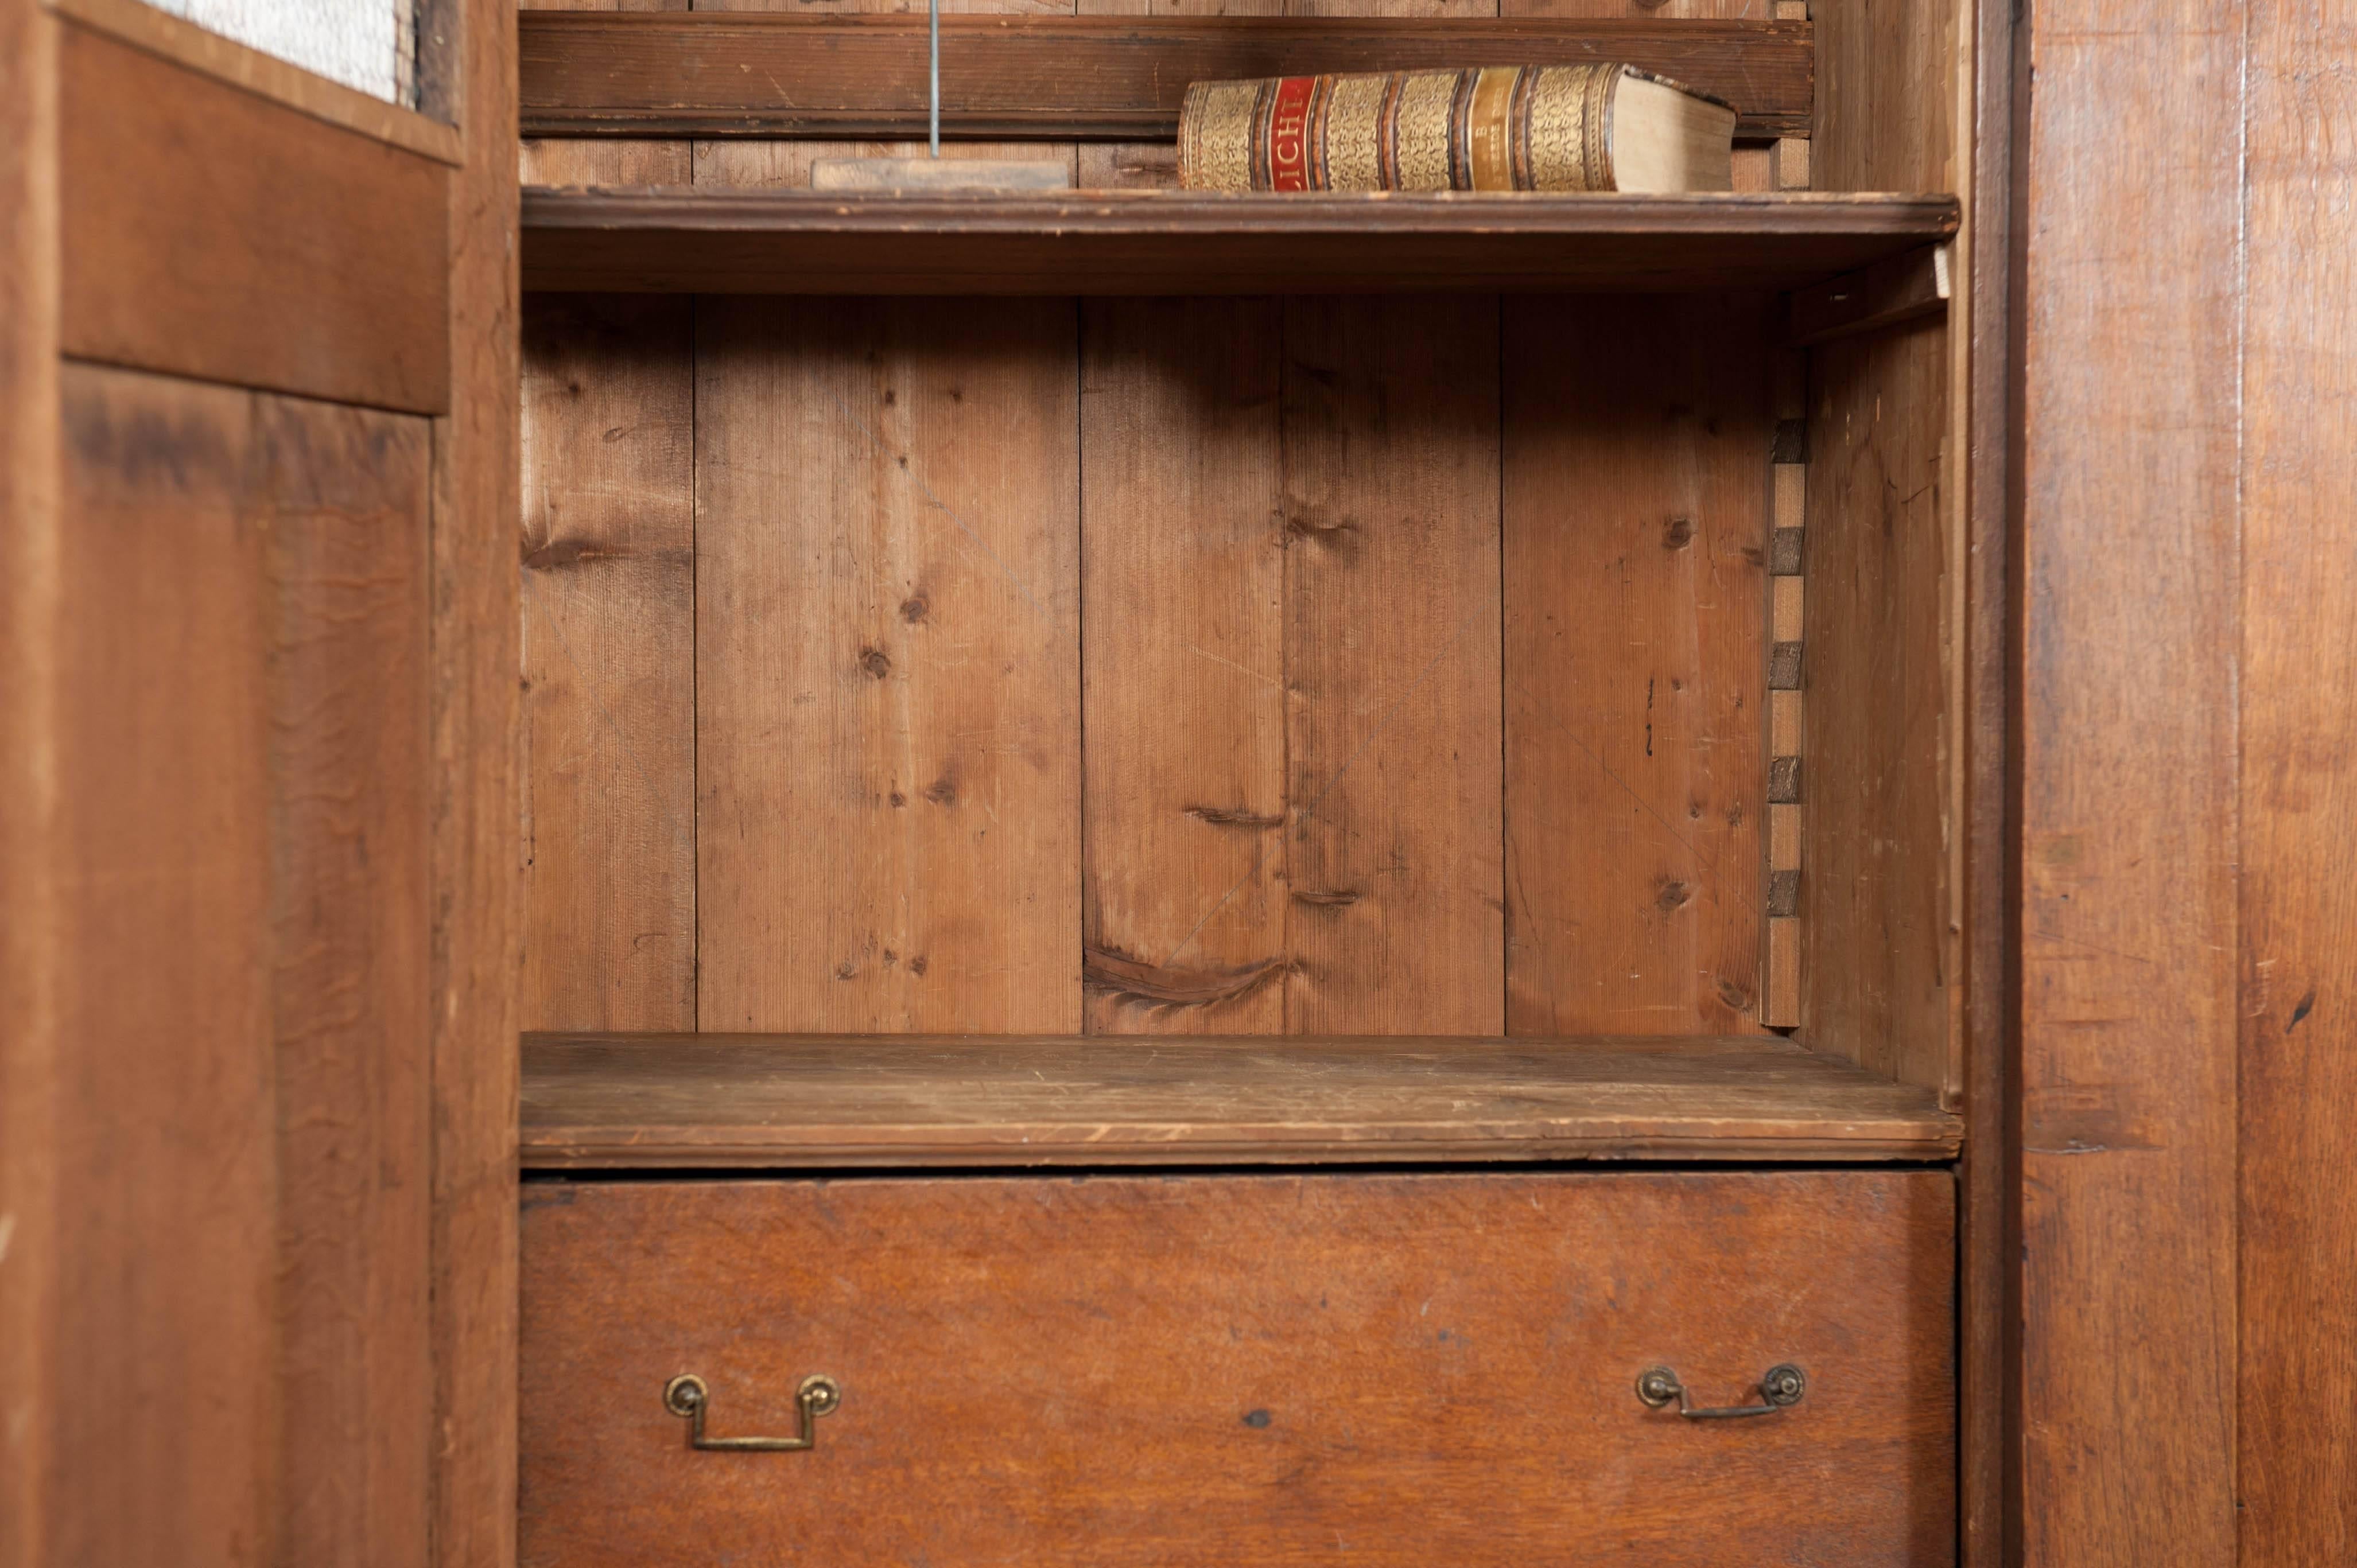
(1493, 128)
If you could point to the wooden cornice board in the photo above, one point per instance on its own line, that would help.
(1159, 242)
(1072, 78)
(747, 1101)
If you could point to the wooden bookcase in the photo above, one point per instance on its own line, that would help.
(1453, 618)
(1386, 1035)
(1130, 678)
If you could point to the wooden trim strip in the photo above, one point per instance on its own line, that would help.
(224, 60)
(1072, 78)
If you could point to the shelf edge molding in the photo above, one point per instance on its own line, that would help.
(1159, 241)
(748, 1103)
(1071, 78)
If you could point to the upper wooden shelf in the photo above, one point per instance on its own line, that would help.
(752, 1101)
(1070, 79)
(1161, 241)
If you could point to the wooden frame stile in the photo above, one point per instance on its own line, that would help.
(1984, 590)
(2132, 425)
(477, 879)
(29, 614)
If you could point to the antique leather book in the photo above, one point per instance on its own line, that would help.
(1563, 128)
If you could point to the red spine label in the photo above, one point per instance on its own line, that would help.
(1288, 134)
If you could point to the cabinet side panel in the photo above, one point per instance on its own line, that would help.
(888, 628)
(2299, 1076)
(1874, 884)
(1394, 733)
(1183, 547)
(1636, 537)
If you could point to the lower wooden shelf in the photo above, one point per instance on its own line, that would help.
(755, 1102)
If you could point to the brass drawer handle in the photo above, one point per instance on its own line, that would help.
(685, 1395)
(1783, 1387)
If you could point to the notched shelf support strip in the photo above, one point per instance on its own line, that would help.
(1780, 1002)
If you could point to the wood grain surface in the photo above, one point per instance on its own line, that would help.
(2132, 416)
(608, 546)
(44, 693)
(248, 825)
(742, 72)
(1185, 706)
(344, 497)
(220, 236)
(888, 666)
(1389, 415)
(2295, 1491)
(1286, 1368)
(1636, 519)
(1167, 241)
(170, 815)
(1874, 898)
(610, 1101)
(1879, 915)
(478, 893)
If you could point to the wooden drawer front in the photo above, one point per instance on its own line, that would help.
(1417, 1370)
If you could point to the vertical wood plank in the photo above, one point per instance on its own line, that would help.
(2298, 1434)
(34, 868)
(168, 1179)
(889, 666)
(2129, 837)
(609, 663)
(344, 495)
(1183, 708)
(478, 893)
(1394, 743)
(1636, 537)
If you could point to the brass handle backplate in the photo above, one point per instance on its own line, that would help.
(1781, 1388)
(686, 1396)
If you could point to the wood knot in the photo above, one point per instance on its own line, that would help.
(1673, 894)
(913, 608)
(875, 662)
(1678, 535)
(1326, 897)
(943, 792)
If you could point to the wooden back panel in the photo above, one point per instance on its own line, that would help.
(1321, 667)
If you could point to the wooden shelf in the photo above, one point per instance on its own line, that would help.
(1072, 79)
(1157, 242)
(750, 1101)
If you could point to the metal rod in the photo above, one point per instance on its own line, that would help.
(933, 18)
